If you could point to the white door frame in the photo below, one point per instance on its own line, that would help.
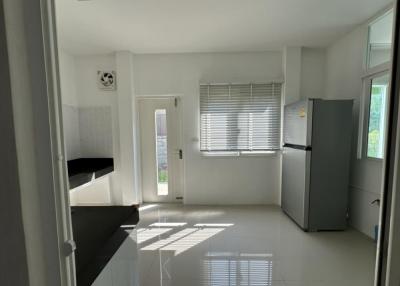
(388, 256)
(62, 204)
(180, 130)
(33, 60)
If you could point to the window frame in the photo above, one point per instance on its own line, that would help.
(366, 104)
(237, 154)
(379, 67)
(367, 77)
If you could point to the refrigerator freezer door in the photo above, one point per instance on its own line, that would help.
(298, 123)
(295, 184)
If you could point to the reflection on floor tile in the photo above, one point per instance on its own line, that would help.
(236, 246)
(237, 269)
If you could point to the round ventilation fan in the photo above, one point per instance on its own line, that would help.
(106, 80)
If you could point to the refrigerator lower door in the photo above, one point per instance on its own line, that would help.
(296, 184)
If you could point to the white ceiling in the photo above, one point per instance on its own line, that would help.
(176, 26)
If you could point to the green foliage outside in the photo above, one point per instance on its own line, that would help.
(375, 115)
(162, 176)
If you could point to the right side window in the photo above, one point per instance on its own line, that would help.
(377, 115)
(376, 82)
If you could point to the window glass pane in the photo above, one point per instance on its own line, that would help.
(240, 117)
(377, 115)
(380, 40)
(161, 151)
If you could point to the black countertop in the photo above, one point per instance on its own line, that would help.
(98, 235)
(83, 170)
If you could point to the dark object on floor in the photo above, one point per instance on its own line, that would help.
(83, 170)
(98, 235)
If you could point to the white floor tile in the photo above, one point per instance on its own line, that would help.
(234, 246)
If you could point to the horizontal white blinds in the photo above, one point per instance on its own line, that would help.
(240, 117)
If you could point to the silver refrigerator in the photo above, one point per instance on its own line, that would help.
(316, 163)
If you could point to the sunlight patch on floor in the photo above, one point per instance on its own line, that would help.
(184, 239)
(191, 240)
(168, 224)
(213, 224)
(147, 207)
(144, 235)
(174, 237)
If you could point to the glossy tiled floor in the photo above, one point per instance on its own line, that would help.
(227, 246)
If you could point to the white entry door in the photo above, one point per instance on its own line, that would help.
(162, 156)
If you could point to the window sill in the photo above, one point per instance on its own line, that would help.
(372, 159)
(238, 154)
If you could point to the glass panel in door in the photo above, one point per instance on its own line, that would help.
(161, 151)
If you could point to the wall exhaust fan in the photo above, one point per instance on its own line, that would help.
(106, 80)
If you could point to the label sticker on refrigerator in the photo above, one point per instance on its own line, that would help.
(302, 112)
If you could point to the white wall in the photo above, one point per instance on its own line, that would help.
(107, 120)
(96, 192)
(247, 180)
(313, 72)
(130, 167)
(87, 127)
(67, 77)
(344, 69)
(304, 70)
(90, 115)
(95, 132)
(71, 129)
(90, 97)
(291, 61)
(70, 105)
(88, 131)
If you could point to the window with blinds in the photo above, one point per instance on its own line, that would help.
(240, 117)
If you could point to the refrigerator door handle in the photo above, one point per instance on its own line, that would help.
(298, 147)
